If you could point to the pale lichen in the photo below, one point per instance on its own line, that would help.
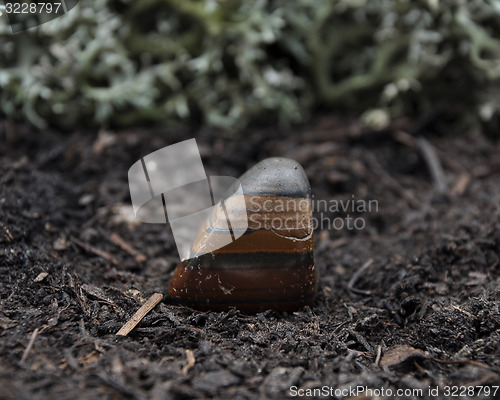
(227, 63)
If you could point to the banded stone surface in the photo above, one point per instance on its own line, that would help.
(271, 265)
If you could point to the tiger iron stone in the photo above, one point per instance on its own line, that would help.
(270, 265)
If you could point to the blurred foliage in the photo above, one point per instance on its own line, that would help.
(231, 62)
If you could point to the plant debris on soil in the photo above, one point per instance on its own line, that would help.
(410, 302)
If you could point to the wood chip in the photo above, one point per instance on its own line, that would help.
(461, 184)
(104, 140)
(399, 354)
(140, 314)
(190, 361)
(41, 276)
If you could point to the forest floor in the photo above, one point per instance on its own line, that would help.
(410, 302)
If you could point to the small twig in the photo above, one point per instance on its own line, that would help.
(140, 314)
(120, 242)
(434, 165)
(392, 182)
(412, 142)
(379, 353)
(405, 138)
(464, 177)
(96, 251)
(122, 388)
(70, 359)
(190, 361)
(27, 350)
(462, 311)
(337, 328)
(461, 184)
(466, 361)
(335, 244)
(7, 233)
(79, 295)
(483, 171)
(356, 276)
(361, 340)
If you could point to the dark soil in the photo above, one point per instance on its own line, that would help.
(412, 301)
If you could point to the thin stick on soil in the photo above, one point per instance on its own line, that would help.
(464, 178)
(356, 276)
(27, 350)
(467, 361)
(120, 242)
(461, 184)
(140, 314)
(434, 165)
(379, 353)
(96, 251)
(392, 182)
(7, 233)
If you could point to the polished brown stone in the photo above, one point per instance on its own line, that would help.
(271, 265)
